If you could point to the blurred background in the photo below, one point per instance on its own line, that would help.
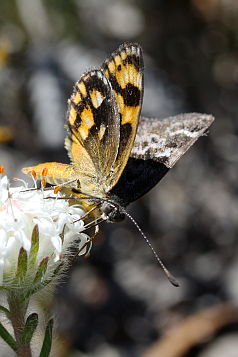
(118, 303)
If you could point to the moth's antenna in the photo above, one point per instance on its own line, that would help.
(170, 277)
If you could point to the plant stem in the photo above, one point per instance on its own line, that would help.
(17, 308)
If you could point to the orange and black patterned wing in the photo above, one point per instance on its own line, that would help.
(93, 126)
(124, 69)
(102, 121)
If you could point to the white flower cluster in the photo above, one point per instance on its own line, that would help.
(58, 222)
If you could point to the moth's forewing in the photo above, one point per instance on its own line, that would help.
(124, 69)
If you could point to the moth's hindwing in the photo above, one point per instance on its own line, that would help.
(166, 140)
(159, 144)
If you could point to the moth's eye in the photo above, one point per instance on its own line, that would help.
(107, 208)
(116, 216)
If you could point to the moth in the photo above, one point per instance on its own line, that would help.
(116, 155)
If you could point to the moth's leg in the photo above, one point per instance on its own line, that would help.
(94, 223)
(88, 212)
(89, 242)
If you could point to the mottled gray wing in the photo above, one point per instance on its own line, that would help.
(158, 146)
(166, 140)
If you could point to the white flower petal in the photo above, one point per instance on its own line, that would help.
(1, 270)
(20, 212)
(3, 238)
(57, 243)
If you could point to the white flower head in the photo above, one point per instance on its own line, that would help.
(35, 234)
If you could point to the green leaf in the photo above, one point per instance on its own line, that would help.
(41, 270)
(29, 329)
(34, 246)
(3, 288)
(33, 291)
(36, 288)
(4, 309)
(46, 346)
(40, 285)
(22, 264)
(8, 338)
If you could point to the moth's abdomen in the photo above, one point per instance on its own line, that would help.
(52, 172)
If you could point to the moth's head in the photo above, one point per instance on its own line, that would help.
(114, 212)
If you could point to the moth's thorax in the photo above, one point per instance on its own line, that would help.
(110, 207)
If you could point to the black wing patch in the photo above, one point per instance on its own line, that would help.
(138, 177)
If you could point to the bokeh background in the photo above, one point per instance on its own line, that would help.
(118, 303)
